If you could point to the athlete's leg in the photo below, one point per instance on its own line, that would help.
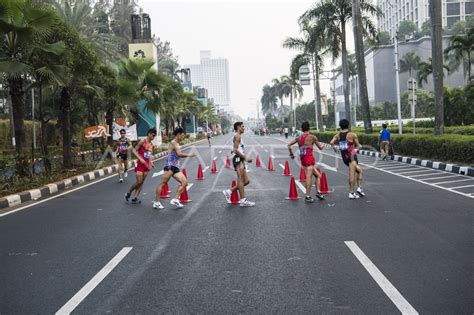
(120, 161)
(140, 186)
(352, 170)
(359, 175)
(164, 179)
(309, 179)
(139, 178)
(241, 178)
(317, 174)
(183, 183)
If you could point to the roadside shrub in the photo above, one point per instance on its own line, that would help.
(447, 148)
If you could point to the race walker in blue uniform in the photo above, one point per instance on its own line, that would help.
(172, 169)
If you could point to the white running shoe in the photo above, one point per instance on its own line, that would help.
(227, 193)
(353, 196)
(245, 203)
(125, 174)
(121, 180)
(157, 205)
(175, 202)
(360, 192)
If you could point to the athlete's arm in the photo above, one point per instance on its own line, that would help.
(333, 142)
(316, 142)
(356, 142)
(178, 151)
(294, 141)
(129, 144)
(135, 150)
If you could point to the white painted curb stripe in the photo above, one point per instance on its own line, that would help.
(13, 200)
(53, 188)
(67, 183)
(35, 194)
(91, 175)
(101, 173)
(381, 280)
(424, 163)
(80, 179)
(93, 283)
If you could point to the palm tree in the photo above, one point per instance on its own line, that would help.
(268, 100)
(425, 69)
(311, 52)
(409, 62)
(460, 51)
(23, 28)
(331, 18)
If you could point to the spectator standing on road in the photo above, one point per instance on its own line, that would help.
(144, 153)
(305, 143)
(384, 141)
(172, 170)
(286, 132)
(348, 143)
(238, 161)
(123, 144)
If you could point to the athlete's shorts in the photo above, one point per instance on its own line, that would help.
(307, 160)
(170, 168)
(123, 156)
(236, 160)
(347, 159)
(143, 168)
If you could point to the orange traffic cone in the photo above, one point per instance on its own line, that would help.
(293, 195)
(287, 171)
(165, 192)
(257, 162)
(214, 167)
(200, 175)
(302, 174)
(234, 197)
(184, 198)
(227, 162)
(270, 164)
(324, 184)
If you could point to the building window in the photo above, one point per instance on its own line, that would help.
(452, 9)
(451, 20)
(469, 8)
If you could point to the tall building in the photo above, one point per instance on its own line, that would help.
(417, 11)
(212, 74)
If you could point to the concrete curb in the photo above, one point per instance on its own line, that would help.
(60, 186)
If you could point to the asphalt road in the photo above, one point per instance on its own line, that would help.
(406, 247)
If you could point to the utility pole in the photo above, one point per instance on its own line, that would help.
(334, 96)
(362, 77)
(12, 124)
(397, 83)
(33, 116)
(437, 62)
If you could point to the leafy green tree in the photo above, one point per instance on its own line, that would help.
(409, 62)
(384, 38)
(460, 51)
(406, 29)
(458, 105)
(424, 105)
(268, 100)
(331, 18)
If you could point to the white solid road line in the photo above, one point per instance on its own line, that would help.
(220, 152)
(300, 186)
(215, 158)
(427, 174)
(334, 169)
(395, 296)
(459, 187)
(205, 169)
(442, 177)
(414, 172)
(93, 283)
(158, 173)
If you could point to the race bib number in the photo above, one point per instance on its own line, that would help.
(123, 147)
(343, 145)
(302, 151)
(237, 159)
(147, 154)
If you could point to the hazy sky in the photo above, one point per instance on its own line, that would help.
(248, 33)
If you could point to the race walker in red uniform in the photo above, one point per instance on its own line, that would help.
(144, 152)
(305, 144)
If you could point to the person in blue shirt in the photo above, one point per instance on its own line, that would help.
(384, 141)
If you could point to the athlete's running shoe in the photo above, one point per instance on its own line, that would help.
(227, 193)
(319, 195)
(136, 200)
(125, 174)
(127, 196)
(157, 205)
(245, 203)
(121, 180)
(353, 196)
(175, 202)
(360, 191)
(309, 199)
